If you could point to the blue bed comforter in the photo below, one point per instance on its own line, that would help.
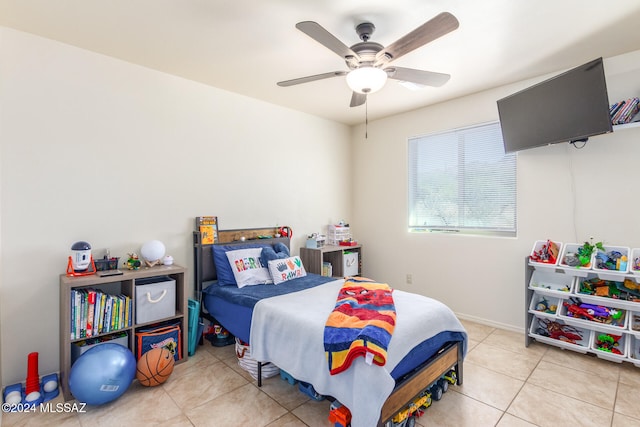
(248, 296)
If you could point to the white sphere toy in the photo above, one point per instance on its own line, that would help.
(13, 397)
(152, 252)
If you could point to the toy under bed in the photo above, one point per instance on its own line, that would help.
(233, 307)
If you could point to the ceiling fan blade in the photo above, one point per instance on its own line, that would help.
(434, 28)
(325, 38)
(358, 99)
(311, 78)
(427, 78)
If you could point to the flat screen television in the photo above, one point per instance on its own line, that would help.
(569, 107)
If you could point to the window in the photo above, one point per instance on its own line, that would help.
(461, 180)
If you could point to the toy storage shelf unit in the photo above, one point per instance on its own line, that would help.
(553, 317)
(170, 281)
(344, 260)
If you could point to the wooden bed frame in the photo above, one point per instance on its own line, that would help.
(450, 357)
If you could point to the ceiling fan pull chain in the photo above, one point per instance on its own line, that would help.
(366, 118)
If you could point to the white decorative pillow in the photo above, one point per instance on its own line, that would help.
(286, 269)
(247, 268)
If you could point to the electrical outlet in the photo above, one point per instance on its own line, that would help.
(409, 279)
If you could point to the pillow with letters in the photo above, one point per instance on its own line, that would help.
(286, 269)
(247, 267)
(224, 272)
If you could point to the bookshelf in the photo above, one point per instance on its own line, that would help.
(313, 258)
(124, 284)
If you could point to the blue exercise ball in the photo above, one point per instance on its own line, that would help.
(102, 374)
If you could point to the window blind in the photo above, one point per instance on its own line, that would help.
(462, 181)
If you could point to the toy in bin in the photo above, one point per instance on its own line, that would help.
(547, 254)
(609, 343)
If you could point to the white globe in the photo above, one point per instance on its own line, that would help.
(152, 250)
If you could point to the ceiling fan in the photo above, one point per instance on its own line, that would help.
(368, 61)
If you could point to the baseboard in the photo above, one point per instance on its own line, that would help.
(491, 323)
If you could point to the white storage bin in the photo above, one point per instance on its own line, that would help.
(337, 234)
(544, 305)
(613, 325)
(634, 321)
(612, 274)
(602, 340)
(634, 261)
(633, 349)
(155, 299)
(559, 333)
(351, 264)
(540, 246)
(551, 283)
(570, 248)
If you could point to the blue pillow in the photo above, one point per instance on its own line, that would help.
(278, 251)
(223, 268)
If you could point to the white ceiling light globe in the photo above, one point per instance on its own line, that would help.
(366, 79)
(152, 251)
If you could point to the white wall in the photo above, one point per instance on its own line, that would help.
(96, 149)
(563, 194)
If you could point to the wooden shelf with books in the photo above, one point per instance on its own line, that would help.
(113, 303)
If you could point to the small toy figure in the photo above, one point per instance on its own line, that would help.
(133, 263)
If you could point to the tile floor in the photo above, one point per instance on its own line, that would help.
(505, 385)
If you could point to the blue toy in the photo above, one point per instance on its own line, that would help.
(102, 374)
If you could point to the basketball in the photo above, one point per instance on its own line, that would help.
(154, 367)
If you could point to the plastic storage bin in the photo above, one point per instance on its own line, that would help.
(543, 246)
(633, 349)
(155, 299)
(350, 260)
(572, 248)
(609, 346)
(544, 305)
(550, 283)
(337, 233)
(634, 261)
(587, 314)
(614, 271)
(558, 333)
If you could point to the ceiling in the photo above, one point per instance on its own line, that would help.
(246, 46)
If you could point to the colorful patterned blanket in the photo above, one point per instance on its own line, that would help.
(361, 324)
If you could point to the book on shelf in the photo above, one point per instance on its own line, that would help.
(327, 269)
(94, 313)
(208, 228)
(91, 308)
(624, 111)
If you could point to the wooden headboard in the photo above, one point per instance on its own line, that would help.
(204, 267)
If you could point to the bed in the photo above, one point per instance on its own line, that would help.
(428, 340)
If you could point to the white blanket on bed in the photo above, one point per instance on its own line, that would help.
(288, 331)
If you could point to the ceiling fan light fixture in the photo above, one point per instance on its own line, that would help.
(366, 79)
